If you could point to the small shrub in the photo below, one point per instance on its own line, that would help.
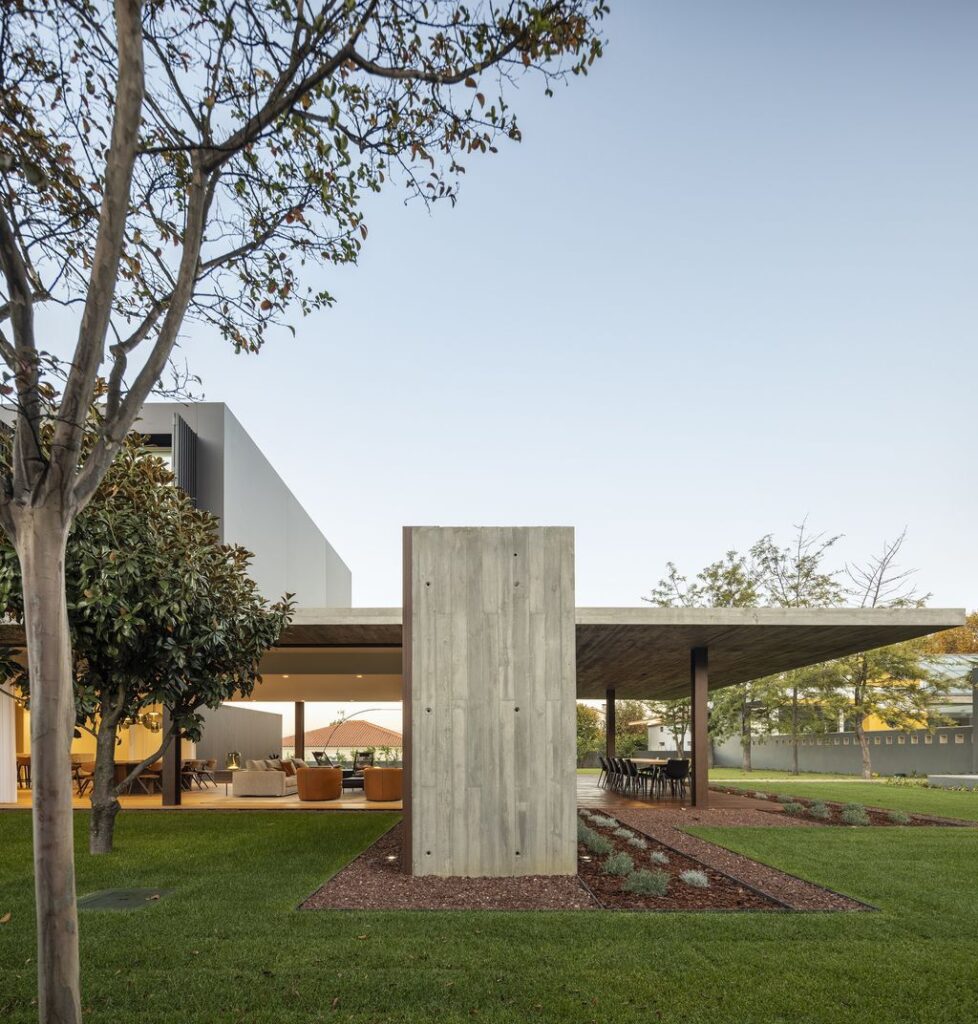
(795, 809)
(583, 832)
(647, 883)
(853, 807)
(658, 857)
(638, 842)
(819, 810)
(785, 798)
(761, 796)
(697, 879)
(898, 817)
(618, 864)
(854, 816)
(604, 821)
(598, 844)
(624, 833)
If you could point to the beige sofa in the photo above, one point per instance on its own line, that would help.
(260, 778)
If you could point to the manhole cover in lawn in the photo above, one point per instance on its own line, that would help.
(122, 899)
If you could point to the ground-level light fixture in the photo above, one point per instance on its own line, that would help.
(232, 760)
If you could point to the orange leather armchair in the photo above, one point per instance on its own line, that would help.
(382, 783)
(319, 783)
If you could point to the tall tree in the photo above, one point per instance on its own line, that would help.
(890, 683)
(175, 159)
(963, 640)
(161, 613)
(794, 577)
(589, 731)
(734, 581)
(676, 716)
(630, 732)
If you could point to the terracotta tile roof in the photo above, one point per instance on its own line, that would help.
(354, 734)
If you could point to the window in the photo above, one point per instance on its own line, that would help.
(942, 738)
(959, 737)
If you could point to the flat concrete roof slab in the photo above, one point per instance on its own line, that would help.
(638, 652)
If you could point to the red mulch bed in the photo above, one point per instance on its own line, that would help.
(724, 892)
(375, 881)
(877, 816)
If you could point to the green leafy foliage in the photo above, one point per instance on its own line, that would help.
(794, 809)
(160, 612)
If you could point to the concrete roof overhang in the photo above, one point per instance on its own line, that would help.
(355, 654)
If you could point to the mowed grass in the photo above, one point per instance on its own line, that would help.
(944, 803)
(229, 945)
(720, 774)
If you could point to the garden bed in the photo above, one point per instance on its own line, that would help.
(375, 880)
(800, 808)
(720, 891)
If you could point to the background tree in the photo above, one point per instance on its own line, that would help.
(175, 159)
(674, 715)
(734, 581)
(962, 640)
(161, 613)
(590, 731)
(630, 732)
(793, 576)
(890, 683)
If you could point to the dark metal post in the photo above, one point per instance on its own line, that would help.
(172, 763)
(300, 730)
(609, 724)
(699, 684)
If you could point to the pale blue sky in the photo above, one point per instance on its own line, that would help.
(727, 281)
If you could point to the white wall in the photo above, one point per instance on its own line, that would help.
(260, 512)
(257, 510)
(8, 751)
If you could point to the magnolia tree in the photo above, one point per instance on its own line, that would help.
(161, 613)
(170, 161)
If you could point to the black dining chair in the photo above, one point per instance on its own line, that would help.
(676, 774)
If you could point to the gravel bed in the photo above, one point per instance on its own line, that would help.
(667, 827)
(372, 882)
(878, 816)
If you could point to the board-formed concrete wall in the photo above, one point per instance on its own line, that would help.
(489, 701)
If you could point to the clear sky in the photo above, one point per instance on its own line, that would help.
(727, 281)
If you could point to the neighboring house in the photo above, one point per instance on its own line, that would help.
(342, 739)
(660, 737)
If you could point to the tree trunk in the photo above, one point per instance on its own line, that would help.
(794, 730)
(105, 806)
(864, 748)
(40, 541)
(745, 737)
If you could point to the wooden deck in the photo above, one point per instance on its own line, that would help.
(214, 799)
(589, 794)
(593, 796)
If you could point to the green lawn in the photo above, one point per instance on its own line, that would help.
(721, 774)
(229, 945)
(725, 774)
(913, 799)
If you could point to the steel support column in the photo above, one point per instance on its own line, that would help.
(172, 763)
(699, 681)
(609, 724)
(300, 730)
